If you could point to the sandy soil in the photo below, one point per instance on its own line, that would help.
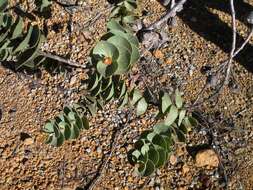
(201, 38)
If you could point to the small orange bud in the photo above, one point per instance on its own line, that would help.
(107, 61)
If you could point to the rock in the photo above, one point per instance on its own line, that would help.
(150, 40)
(185, 169)
(73, 80)
(158, 54)
(169, 61)
(207, 158)
(28, 141)
(173, 159)
(99, 150)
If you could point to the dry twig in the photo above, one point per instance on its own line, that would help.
(227, 65)
(169, 14)
(62, 60)
(116, 135)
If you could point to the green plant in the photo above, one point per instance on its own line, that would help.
(137, 99)
(124, 12)
(152, 150)
(43, 5)
(16, 45)
(116, 52)
(106, 88)
(112, 57)
(3, 5)
(65, 126)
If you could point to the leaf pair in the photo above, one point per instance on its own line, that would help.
(17, 46)
(3, 5)
(151, 151)
(116, 52)
(65, 126)
(124, 12)
(138, 100)
(107, 88)
(166, 101)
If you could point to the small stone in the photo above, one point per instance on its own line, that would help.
(152, 182)
(28, 141)
(158, 54)
(173, 159)
(99, 150)
(169, 61)
(88, 150)
(185, 169)
(72, 80)
(24, 136)
(207, 158)
(182, 188)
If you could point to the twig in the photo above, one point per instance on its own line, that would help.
(62, 172)
(244, 43)
(170, 13)
(98, 15)
(66, 5)
(105, 159)
(172, 4)
(227, 64)
(233, 43)
(243, 110)
(62, 60)
(222, 66)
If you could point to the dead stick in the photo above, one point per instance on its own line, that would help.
(170, 13)
(62, 60)
(233, 43)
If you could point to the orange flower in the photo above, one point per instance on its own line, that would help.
(107, 61)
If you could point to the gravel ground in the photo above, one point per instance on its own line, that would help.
(27, 101)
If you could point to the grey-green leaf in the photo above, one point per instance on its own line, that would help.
(166, 102)
(142, 106)
(146, 169)
(171, 116)
(136, 96)
(178, 99)
(182, 114)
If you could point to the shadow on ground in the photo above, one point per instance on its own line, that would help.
(210, 27)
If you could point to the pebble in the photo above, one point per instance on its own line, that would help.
(185, 169)
(99, 149)
(207, 158)
(28, 141)
(173, 159)
(88, 150)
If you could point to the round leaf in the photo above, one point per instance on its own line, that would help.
(142, 106)
(172, 115)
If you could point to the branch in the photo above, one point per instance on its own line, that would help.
(233, 43)
(170, 13)
(62, 60)
(116, 135)
(228, 63)
(66, 5)
(244, 43)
